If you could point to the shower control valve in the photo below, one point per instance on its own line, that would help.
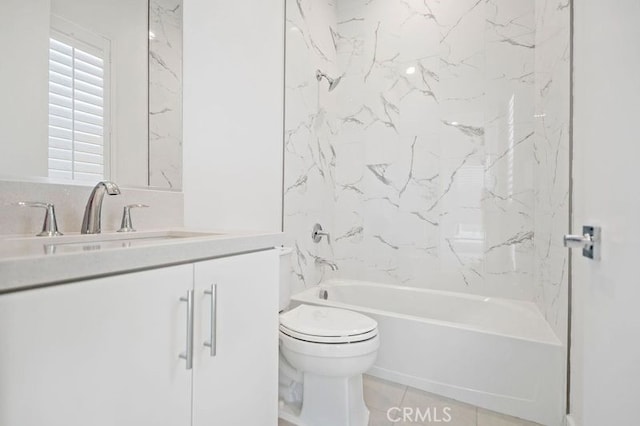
(317, 233)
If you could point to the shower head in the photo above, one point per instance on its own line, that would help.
(333, 82)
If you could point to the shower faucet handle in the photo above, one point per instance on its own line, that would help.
(317, 233)
(126, 225)
(50, 225)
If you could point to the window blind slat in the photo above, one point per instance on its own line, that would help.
(88, 98)
(88, 80)
(60, 143)
(85, 157)
(60, 122)
(90, 148)
(59, 80)
(60, 165)
(89, 108)
(87, 167)
(60, 111)
(60, 90)
(58, 100)
(58, 132)
(88, 138)
(88, 128)
(60, 47)
(83, 117)
(89, 58)
(59, 58)
(89, 69)
(60, 154)
(62, 69)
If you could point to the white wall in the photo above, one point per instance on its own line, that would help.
(605, 364)
(233, 104)
(24, 43)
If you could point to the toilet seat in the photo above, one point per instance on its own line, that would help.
(319, 324)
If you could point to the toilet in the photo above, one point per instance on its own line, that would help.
(323, 353)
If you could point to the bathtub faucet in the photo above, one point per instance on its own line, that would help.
(324, 262)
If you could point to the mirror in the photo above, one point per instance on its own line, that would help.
(92, 90)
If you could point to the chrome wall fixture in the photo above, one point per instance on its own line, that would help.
(590, 241)
(126, 225)
(91, 223)
(317, 233)
(333, 82)
(50, 224)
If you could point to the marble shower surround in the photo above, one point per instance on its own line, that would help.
(424, 162)
(552, 157)
(309, 129)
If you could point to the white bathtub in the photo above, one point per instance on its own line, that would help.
(495, 353)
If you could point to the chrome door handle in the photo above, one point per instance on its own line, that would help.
(589, 241)
(211, 343)
(188, 355)
(577, 241)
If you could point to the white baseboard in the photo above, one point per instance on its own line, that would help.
(569, 421)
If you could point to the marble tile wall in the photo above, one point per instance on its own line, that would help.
(552, 157)
(310, 155)
(424, 162)
(434, 144)
(165, 94)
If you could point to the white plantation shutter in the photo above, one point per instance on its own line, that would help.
(77, 106)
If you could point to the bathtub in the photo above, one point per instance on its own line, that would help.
(494, 353)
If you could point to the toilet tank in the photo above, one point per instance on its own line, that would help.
(285, 276)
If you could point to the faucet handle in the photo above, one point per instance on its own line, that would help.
(50, 225)
(317, 233)
(126, 225)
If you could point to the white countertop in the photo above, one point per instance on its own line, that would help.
(28, 262)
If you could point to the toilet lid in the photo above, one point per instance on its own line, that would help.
(323, 324)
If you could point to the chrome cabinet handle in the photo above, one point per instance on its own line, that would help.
(211, 343)
(188, 355)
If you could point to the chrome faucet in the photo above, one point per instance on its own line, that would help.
(93, 211)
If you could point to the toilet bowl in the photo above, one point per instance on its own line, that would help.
(328, 349)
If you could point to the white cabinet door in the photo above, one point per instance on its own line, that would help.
(237, 386)
(97, 352)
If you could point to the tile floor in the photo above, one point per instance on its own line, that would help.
(380, 395)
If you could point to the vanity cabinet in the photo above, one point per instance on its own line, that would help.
(106, 351)
(238, 385)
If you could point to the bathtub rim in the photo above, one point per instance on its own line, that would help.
(305, 297)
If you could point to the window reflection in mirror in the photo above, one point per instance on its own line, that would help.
(77, 80)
